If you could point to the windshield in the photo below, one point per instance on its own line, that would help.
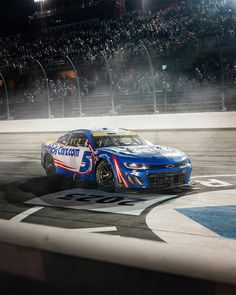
(118, 140)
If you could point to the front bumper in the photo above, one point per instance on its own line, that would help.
(158, 178)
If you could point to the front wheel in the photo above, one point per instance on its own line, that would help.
(105, 176)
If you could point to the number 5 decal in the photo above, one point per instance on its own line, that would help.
(87, 163)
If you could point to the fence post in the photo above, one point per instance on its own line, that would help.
(78, 86)
(112, 84)
(153, 80)
(7, 97)
(48, 93)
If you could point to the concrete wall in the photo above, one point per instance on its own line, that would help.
(21, 258)
(142, 122)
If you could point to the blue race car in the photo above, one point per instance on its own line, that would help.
(115, 159)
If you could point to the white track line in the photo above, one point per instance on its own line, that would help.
(95, 229)
(25, 214)
(204, 176)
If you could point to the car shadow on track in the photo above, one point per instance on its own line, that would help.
(43, 185)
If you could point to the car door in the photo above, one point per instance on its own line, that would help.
(79, 155)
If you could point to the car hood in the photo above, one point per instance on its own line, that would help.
(149, 154)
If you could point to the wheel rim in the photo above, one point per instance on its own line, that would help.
(105, 175)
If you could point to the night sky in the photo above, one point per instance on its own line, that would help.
(14, 13)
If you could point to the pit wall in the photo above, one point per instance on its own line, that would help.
(219, 120)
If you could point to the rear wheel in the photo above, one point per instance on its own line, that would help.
(49, 166)
(105, 176)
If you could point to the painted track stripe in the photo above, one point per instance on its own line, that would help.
(205, 176)
(96, 229)
(25, 214)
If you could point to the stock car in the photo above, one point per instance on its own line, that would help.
(115, 159)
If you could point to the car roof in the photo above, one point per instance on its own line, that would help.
(101, 130)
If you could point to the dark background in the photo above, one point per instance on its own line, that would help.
(14, 13)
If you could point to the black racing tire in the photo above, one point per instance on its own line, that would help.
(105, 177)
(49, 166)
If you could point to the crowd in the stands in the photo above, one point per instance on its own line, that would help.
(205, 73)
(136, 81)
(166, 30)
(60, 88)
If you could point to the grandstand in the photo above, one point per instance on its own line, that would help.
(177, 57)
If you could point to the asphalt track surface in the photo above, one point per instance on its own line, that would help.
(203, 214)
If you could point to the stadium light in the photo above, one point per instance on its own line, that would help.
(164, 67)
(40, 3)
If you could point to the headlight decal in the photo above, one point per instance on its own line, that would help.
(185, 162)
(135, 166)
